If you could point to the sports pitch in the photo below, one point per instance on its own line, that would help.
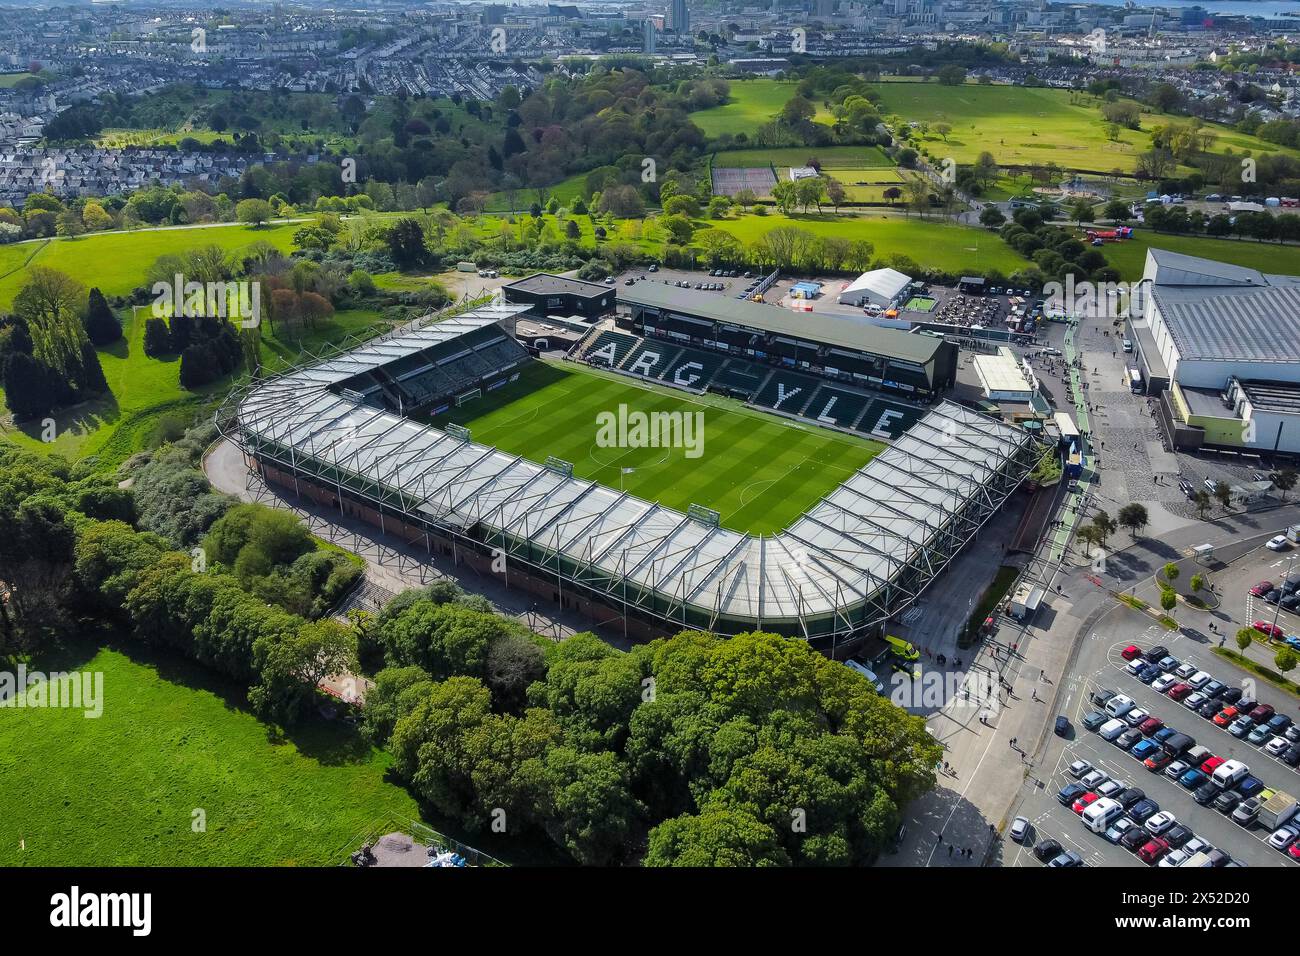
(758, 471)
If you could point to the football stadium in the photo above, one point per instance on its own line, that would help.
(657, 486)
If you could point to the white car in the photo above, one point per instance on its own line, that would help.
(1163, 683)
(1196, 845)
(1137, 665)
(1278, 543)
(1177, 769)
(1174, 858)
(1185, 671)
(1079, 768)
(1199, 680)
(1277, 746)
(1019, 829)
(1192, 701)
(1119, 828)
(1136, 716)
(1158, 823)
(1283, 836)
(1093, 779)
(1111, 729)
(1111, 787)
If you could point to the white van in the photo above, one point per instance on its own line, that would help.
(1101, 813)
(1229, 774)
(868, 674)
(1111, 729)
(1119, 705)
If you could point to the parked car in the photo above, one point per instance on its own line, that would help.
(1128, 798)
(1246, 812)
(1241, 726)
(1185, 671)
(1145, 749)
(1226, 801)
(1226, 716)
(1204, 793)
(1151, 851)
(1148, 673)
(1134, 838)
(1067, 859)
(1269, 629)
(1110, 788)
(1093, 719)
(1111, 729)
(1211, 764)
(1250, 787)
(1128, 738)
(1117, 829)
(1194, 701)
(1046, 850)
(1143, 810)
(1162, 683)
(1136, 716)
(1062, 728)
(1179, 691)
(1132, 652)
(1231, 695)
(1069, 793)
(1284, 836)
(1199, 680)
(1093, 779)
(1083, 800)
(1159, 822)
(1158, 760)
(1258, 734)
(1278, 543)
(1078, 768)
(1262, 714)
(1119, 705)
(1019, 829)
(1291, 756)
(1177, 835)
(1176, 769)
(1193, 779)
(1208, 709)
(1213, 689)
(1262, 588)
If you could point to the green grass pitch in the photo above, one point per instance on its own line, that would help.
(758, 471)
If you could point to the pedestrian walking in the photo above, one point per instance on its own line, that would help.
(1041, 673)
(949, 851)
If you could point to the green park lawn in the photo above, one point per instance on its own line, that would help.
(1129, 257)
(121, 789)
(831, 157)
(759, 472)
(751, 104)
(929, 242)
(117, 262)
(1025, 125)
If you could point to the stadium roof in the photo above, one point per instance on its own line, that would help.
(870, 545)
(845, 331)
(544, 283)
(886, 283)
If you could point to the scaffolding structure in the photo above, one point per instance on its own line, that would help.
(857, 557)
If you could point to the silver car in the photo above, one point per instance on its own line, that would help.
(1019, 829)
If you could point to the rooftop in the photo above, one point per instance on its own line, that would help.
(544, 283)
(844, 331)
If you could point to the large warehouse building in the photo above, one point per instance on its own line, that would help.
(1221, 343)
(832, 346)
(854, 559)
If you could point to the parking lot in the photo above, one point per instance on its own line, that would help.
(1099, 666)
(727, 285)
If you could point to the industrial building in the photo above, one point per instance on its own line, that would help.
(857, 557)
(548, 294)
(841, 347)
(1220, 344)
(883, 288)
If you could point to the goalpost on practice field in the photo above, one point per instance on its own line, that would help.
(469, 396)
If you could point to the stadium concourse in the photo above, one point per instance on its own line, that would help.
(337, 432)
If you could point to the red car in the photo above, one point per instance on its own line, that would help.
(1159, 760)
(1262, 588)
(1211, 764)
(1150, 726)
(1273, 632)
(1131, 652)
(1294, 850)
(1179, 691)
(1082, 803)
(1226, 716)
(1153, 850)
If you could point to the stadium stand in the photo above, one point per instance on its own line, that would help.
(651, 358)
(887, 419)
(609, 349)
(835, 406)
(692, 369)
(739, 379)
(786, 392)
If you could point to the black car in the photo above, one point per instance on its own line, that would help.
(1141, 811)
(1213, 689)
(1177, 835)
(1245, 705)
(1094, 719)
(1070, 792)
(1290, 586)
(1206, 792)
(1149, 673)
(1291, 756)
(1291, 602)
(1156, 653)
(1227, 801)
(1230, 696)
(1062, 726)
(1133, 838)
(1128, 738)
(1208, 709)
(1128, 797)
(1046, 850)
(1273, 596)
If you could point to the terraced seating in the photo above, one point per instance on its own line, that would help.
(651, 358)
(692, 369)
(609, 349)
(836, 406)
(738, 376)
(787, 392)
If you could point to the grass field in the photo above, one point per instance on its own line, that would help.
(831, 157)
(117, 262)
(1130, 257)
(120, 789)
(759, 472)
(1024, 125)
(929, 242)
(752, 103)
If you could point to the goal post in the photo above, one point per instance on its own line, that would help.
(469, 396)
(703, 515)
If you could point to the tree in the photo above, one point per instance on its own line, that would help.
(1133, 517)
(893, 194)
(1223, 493)
(1285, 480)
(1285, 660)
(291, 666)
(992, 217)
(406, 243)
(157, 338)
(717, 836)
(943, 129)
(102, 326)
(30, 389)
(952, 75)
(1170, 571)
(1247, 636)
(1104, 524)
(1197, 583)
(1201, 499)
(255, 212)
(1168, 599)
